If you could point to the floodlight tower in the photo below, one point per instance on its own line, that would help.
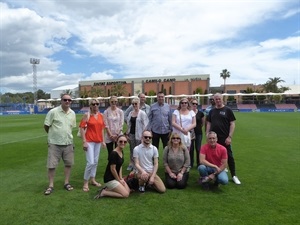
(34, 62)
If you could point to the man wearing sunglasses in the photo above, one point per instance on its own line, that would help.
(146, 162)
(59, 123)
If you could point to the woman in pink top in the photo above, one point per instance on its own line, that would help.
(114, 120)
(92, 131)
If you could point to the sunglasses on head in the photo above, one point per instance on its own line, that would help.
(147, 137)
(67, 100)
(93, 104)
(122, 142)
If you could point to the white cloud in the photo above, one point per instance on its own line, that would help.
(145, 38)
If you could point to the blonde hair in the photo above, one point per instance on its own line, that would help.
(135, 100)
(188, 103)
(92, 101)
(170, 140)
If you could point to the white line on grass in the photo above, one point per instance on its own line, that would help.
(26, 139)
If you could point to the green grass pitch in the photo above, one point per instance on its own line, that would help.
(266, 147)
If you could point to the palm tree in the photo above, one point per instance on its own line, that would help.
(97, 92)
(271, 85)
(68, 92)
(118, 90)
(225, 74)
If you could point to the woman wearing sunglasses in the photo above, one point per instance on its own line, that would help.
(176, 161)
(114, 120)
(115, 186)
(184, 121)
(92, 131)
(137, 122)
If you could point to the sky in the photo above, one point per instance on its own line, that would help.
(78, 40)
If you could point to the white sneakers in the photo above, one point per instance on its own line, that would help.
(236, 180)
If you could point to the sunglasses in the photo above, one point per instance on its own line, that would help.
(93, 104)
(122, 142)
(67, 100)
(134, 103)
(147, 137)
(183, 102)
(195, 103)
(176, 138)
(113, 102)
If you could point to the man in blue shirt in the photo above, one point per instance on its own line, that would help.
(160, 121)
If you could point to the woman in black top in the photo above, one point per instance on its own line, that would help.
(196, 142)
(115, 186)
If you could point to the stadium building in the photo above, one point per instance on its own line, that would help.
(170, 85)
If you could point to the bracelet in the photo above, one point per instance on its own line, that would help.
(229, 136)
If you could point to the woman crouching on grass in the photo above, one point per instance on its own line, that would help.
(115, 186)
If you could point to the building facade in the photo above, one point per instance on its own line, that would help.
(170, 85)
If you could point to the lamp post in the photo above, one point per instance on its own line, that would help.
(34, 62)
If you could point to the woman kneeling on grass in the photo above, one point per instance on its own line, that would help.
(176, 160)
(115, 186)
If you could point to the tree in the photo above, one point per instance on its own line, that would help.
(272, 86)
(68, 92)
(42, 95)
(97, 92)
(225, 74)
(118, 90)
(150, 100)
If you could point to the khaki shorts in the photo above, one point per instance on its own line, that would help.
(57, 152)
(112, 184)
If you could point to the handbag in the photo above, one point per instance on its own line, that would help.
(87, 119)
(185, 139)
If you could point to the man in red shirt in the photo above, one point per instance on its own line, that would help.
(213, 161)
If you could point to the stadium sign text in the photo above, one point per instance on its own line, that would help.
(109, 83)
(160, 80)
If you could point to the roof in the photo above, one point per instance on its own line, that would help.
(66, 87)
(295, 90)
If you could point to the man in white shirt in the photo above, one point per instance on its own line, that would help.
(146, 162)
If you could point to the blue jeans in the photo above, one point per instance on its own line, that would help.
(195, 145)
(204, 171)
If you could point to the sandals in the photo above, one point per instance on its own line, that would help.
(85, 189)
(99, 194)
(48, 191)
(68, 187)
(96, 184)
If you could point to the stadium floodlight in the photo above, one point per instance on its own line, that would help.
(34, 62)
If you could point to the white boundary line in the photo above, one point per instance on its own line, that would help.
(26, 139)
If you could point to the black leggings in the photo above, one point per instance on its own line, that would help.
(110, 147)
(173, 183)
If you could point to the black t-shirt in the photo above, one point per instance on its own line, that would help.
(198, 128)
(114, 159)
(133, 124)
(220, 121)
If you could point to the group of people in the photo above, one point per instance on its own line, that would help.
(179, 131)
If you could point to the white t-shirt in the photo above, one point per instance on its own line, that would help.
(145, 156)
(186, 120)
